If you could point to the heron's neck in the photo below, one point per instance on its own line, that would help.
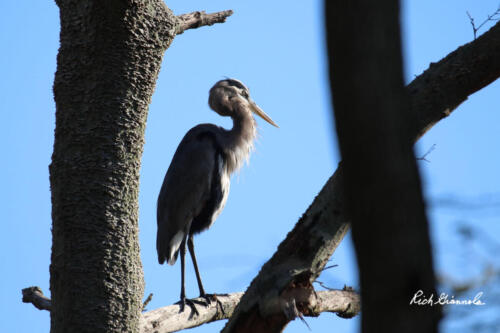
(241, 138)
(244, 129)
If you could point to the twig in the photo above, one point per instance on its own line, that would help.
(471, 19)
(200, 18)
(423, 158)
(323, 285)
(488, 19)
(328, 267)
(146, 302)
(168, 318)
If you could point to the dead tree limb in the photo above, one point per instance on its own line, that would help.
(200, 18)
(434, 95)
(35, 296)
(168, 319)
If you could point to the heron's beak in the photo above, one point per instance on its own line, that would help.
(258, 111)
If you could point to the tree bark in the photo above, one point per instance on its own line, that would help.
(434, 95)
(382, 184)
(108, 62)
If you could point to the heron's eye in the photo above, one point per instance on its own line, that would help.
(244, 93)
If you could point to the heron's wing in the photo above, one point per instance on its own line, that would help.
(185, 189)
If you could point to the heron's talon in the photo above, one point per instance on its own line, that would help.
(200, 302)
(213, 297)
(208, 298)
(182, 304)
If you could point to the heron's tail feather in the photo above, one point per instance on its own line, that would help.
(173, 247)
(171, 260)
(168, 249)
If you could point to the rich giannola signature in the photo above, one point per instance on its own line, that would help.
(444, 299)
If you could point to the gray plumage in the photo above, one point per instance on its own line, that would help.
(195, 175)
(196, 185)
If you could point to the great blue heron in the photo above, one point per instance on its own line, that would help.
(196, 185)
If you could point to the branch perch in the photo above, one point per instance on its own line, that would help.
(200, 18)
(346, 303)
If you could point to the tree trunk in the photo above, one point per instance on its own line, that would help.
(108, 62)
(382, 185)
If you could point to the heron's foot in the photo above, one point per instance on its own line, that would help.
(209, 298)
(182, 304)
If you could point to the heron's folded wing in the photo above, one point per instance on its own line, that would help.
(185, 188)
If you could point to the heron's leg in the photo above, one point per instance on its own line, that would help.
(184, 300)
(208, 297)
(183, 255)
(195, 264)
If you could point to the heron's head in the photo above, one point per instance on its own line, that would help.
(226, 94)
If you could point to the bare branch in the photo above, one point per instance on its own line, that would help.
(345, 303)
(471, 19)
(438, 91)
(490, 18)
(168, 318)
(146, 302)
(34, 295)
(200, 18)
(424, 157)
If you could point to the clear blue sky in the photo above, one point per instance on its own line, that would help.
(277, 49)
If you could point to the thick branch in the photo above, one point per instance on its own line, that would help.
(433, 96)
(448, 83)
(168, 319)
(198, 19)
